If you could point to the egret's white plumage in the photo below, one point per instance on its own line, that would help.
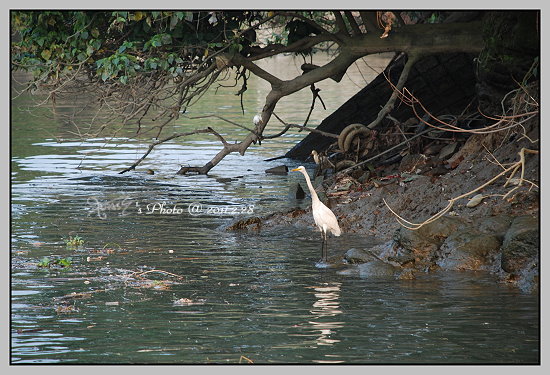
(322, 215)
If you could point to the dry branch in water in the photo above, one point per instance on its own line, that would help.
(513, 169)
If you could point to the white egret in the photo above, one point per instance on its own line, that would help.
(324, 218)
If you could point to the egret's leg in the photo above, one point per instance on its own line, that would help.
(325, 250)
(322, 245)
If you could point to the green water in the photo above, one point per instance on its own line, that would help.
(176, 287)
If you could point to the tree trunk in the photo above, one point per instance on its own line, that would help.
(443, 83)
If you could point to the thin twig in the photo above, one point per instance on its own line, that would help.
(140, 274)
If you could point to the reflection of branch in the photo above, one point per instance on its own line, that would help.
(513, 169)
(160, 141)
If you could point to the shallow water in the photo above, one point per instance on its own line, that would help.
(173, 286)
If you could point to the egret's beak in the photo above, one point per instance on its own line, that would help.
(294, 170)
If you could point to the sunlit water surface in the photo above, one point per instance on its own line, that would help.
(156, 283)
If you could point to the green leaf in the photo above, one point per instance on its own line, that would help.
(123, 80)
(138, 16)
(45, 262)
(99, 63)
(64, 262)
(96, 43)
(46, 54)
(173, 21)
(166, 39)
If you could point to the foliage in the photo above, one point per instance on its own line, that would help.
(119, 45)
(74, 241)
(144, 68)
(46, 262)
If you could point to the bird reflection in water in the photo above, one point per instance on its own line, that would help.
(326, 306)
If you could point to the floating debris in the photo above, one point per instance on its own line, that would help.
(188, 302)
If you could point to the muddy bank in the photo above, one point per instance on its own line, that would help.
(494, 235)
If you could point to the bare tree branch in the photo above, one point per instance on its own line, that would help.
(354, 27)
(369, 20)
(300, 45)
(156, 143)
(388, 107)
(241, 60)
(340, 23)
(301, 127)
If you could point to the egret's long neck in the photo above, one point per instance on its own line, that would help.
(310, 186)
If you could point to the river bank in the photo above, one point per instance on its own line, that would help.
(498, 231)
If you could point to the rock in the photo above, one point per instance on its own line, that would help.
(351, 271)
(497, 225)
(281, 169)
(354, 255)
(296, 192)
(253, 223)
(521, 243)
(468, 250)
(376, 268)
(406, 274)
(476, 199)
(472, 146)
(528, 278)
(447, 151)
(402, 260)
(422, 244)
(432, 233)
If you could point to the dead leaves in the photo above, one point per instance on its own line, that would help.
(385, 21)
